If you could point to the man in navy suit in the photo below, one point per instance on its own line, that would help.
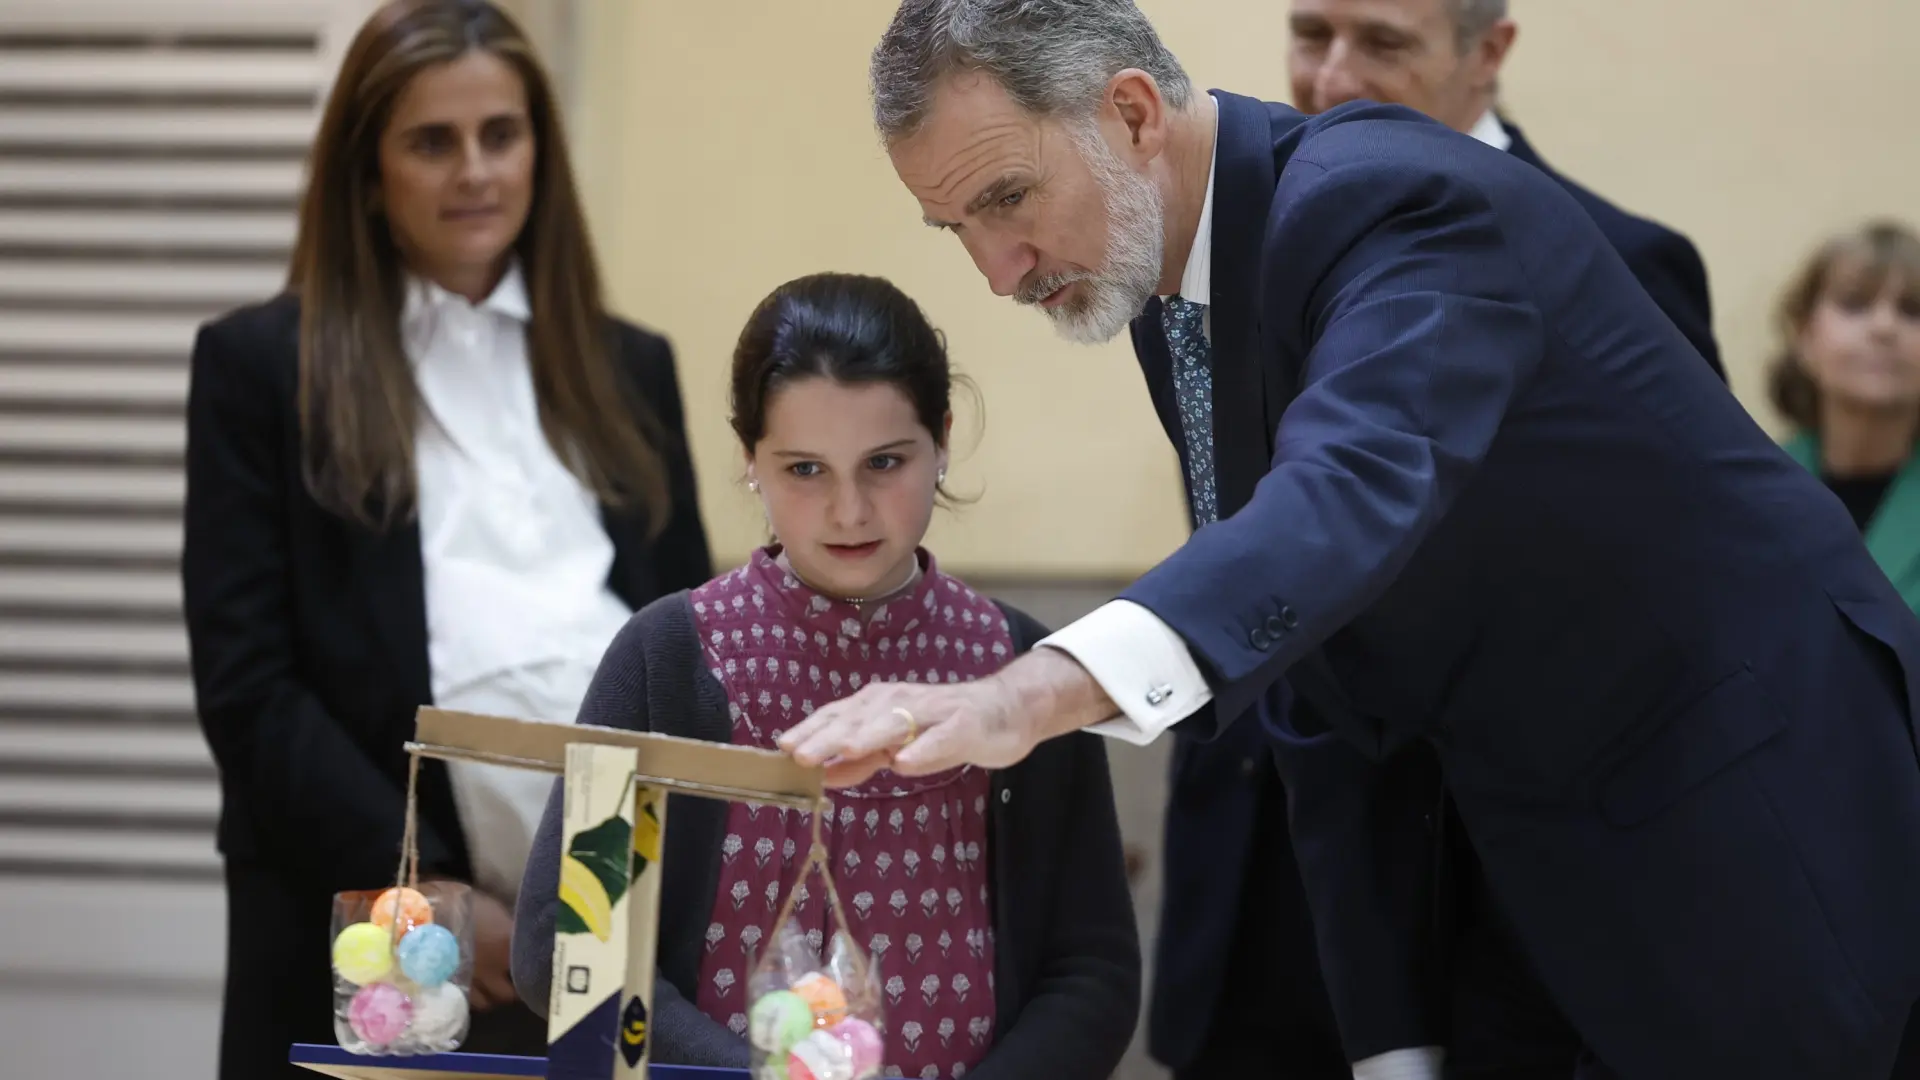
(1460, 487)
(1442, 57)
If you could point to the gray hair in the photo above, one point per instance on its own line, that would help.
(1053, 57)
(1471, 18)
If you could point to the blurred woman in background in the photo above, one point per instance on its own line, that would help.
(1849, 379)
(433, 470)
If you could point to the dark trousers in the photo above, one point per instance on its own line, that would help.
(1272, 1019)
(279, 990)
(1907, 1067)
(1504, 1025)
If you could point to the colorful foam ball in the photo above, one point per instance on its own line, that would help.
(379, 1013)
(363, 953)
(429, 954)
(414, 910)
(779, 1020)
(864, 1042)
(820, 1056)
(439, 1017)
(824, 996)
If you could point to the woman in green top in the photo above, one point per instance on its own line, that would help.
(1849, 379)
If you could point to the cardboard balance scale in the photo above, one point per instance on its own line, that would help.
(603, 950)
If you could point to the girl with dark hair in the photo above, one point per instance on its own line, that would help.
(995, 903)
(433, 470)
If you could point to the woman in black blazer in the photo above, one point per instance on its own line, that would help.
(433, 469)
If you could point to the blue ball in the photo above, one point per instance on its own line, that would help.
(429, 954)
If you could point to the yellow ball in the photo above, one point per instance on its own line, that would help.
(363, 953)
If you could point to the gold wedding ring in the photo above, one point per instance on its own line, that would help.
(913, 726)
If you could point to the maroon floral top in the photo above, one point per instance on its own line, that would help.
(909, 855)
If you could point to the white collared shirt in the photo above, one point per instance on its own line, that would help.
(515, 556)
(1489, 130)
(1196, 279)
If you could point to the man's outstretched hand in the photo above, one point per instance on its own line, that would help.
(921, 728)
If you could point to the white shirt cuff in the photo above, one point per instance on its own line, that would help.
(1415, 1063)
(1142, 665)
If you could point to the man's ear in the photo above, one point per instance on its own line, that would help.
(1134, 100)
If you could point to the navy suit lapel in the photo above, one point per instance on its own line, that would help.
(1156, 363)
(1521, 149)
(1248, 394)
(1243, 183)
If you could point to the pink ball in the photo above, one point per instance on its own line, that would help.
(868, 1048)
(379, 1013)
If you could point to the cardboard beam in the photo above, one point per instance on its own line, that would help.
(716, 770)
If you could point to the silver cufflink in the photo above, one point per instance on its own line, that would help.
(1159, 694)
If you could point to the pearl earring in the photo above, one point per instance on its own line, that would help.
(940, 477)
(753, 486)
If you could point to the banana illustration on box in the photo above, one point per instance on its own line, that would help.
(594, 871)
(604, 930)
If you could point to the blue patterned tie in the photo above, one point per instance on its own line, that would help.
(1193, 392)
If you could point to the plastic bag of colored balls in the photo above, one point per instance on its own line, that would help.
(402, 966)
(814, 1020)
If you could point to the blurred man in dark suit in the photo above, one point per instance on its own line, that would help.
(1443, 58)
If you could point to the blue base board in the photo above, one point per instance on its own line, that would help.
(481, 1064)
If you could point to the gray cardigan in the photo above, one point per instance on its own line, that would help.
(1067, 952)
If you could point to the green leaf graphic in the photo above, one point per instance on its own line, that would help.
(604, 849)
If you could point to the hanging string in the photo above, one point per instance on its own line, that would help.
(817, 858)
(407, 875)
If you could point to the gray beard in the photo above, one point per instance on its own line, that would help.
(1110, 297)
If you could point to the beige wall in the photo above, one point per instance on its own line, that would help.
(725, 148)
(1758, 127)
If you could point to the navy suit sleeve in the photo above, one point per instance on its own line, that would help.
(1669, 267)
(1422, 333)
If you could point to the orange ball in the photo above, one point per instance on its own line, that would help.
(414, 909)
(824, 996)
